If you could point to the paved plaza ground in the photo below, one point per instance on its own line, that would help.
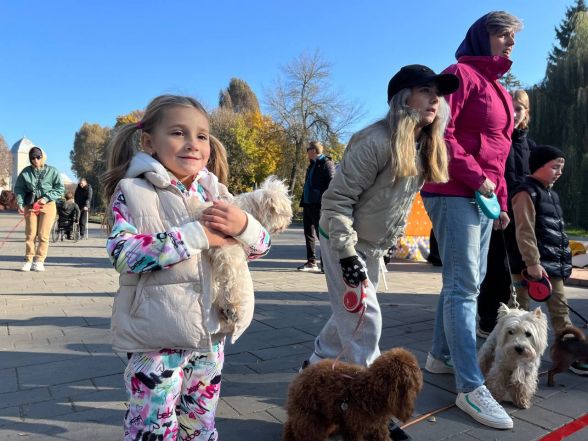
(61, 381)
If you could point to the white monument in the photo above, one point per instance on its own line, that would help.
(20, 157)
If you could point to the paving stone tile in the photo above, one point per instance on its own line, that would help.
(9, 381)
(46, 409)
(522, 430)
(73, 389)
(67, 371)
(20, 397)
(541, 417)
(9, 415)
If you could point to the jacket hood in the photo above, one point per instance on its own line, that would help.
(476, 41)
(492, 67)
(144, 165)
(43, 155)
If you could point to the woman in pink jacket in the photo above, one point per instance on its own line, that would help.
(478, 140)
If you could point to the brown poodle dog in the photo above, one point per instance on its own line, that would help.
(570, 345)
(352, 400)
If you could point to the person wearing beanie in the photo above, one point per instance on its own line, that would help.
(478, 140)
(365, 208)
(541, 237)
(37, 188)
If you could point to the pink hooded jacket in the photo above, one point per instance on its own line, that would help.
(478, 136)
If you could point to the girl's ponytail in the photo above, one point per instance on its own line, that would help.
(120, 151)
(218, 163)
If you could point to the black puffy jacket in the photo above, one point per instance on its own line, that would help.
(552, 241)
(321, 178)
(517, 164)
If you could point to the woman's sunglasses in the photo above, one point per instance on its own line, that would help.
(35, 157)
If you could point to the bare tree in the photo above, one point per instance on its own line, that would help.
(305, 104)
(5, 160)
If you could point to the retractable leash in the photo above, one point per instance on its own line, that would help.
(540, 291)
(354, 300)
(35, 211)
(491, 209)
(513, 291)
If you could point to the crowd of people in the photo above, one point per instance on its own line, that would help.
(449, 135)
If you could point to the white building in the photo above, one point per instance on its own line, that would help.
(20, 157)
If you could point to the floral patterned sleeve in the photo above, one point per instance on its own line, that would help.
(132, 252)
(261, 248)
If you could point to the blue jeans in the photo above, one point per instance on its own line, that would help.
(463, 234)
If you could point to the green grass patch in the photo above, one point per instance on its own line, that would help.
(576, 231)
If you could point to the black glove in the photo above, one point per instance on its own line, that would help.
(354, 271)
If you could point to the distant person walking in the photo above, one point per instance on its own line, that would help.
(319, 173)
(37, 188)
(83, 198)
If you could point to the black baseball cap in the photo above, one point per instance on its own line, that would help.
(418, 75)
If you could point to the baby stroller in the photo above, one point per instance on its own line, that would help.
(66, 225)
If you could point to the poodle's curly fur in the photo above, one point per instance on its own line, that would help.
(232, 285)
(511, 356)
(570, 345)
(354, 401)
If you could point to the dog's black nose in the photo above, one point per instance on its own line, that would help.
(519, 349)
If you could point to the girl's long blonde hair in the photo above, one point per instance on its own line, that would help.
(122, 147)
(522, 98)
(402, 121)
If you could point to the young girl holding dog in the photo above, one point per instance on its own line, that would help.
(162, 315)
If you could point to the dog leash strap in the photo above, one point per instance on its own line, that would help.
(16, 226)
(359, 322)
(513, 291)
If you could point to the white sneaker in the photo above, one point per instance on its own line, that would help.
(481, 406)
(436, 366)
(27, 266)
(38, 266)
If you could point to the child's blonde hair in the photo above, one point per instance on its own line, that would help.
(521, 97)
(402, 121)
(121, 147)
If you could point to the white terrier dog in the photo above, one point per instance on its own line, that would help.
(232, 285)
(511, 355)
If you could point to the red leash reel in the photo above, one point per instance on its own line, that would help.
(539, 290)
(354, 298)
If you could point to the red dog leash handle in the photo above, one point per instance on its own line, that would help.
(354, 298)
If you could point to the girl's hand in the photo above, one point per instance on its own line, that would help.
(487, 187)
(502, 218)
(42, 201)
(217, 239)
(20, 210)
(537, 272)
(225, 218)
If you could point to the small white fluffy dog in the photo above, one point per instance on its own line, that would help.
(511, 355)
(232, 285)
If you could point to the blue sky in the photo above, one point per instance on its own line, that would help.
(72, 61)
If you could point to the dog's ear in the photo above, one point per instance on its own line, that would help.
(503, 310)
(537, 312)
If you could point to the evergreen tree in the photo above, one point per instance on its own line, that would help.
(564, 34)
(559, 106)
(510, 81)
(238, 97)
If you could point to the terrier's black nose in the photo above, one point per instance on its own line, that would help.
(519, 349)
